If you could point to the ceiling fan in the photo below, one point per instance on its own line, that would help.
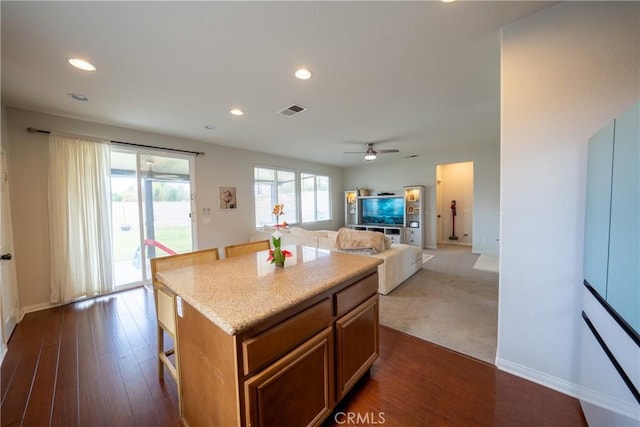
(370, 154)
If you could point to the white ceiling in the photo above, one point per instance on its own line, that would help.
(422, 77)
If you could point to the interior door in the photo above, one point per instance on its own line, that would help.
(8, 283)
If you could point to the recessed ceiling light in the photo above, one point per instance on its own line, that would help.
(448, 1)
(303, 74)
(209, 127)
(82, 64)
(77, 96)
(236, 112)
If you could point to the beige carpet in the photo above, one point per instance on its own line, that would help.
(448, 303)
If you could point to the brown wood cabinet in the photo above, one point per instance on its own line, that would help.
(356, 344)
(291, 369)
(297, 390)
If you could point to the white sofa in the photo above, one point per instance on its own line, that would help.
(400, 261)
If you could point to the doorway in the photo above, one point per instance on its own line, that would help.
(454, 201)
(151, 211)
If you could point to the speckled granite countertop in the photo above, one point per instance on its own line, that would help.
(238, 293)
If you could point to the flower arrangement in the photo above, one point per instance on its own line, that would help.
(278, 255)
(278, 211)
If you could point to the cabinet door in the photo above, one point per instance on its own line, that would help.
(356, 344)
(350, 208)
(623, 282)
(598, 203)
(413, 236)
(296, 390)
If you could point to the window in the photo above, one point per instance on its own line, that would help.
(306, 197)
(314, 197)
(271, 187)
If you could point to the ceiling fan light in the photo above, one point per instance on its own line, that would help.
(370, 156)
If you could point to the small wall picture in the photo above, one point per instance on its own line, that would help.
(227, 197)
(410, 209)
(416, 211)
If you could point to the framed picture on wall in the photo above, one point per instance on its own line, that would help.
(227, 198)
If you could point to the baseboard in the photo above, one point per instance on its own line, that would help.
(35, 307)
(46, 305)
(12, 320)
(546, 380)
(608, 403)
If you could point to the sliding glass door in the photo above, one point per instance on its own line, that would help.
(151, 211)
(125, 214)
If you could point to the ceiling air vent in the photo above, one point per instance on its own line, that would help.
(294, 109)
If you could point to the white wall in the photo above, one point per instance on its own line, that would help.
(566, 72)
(219, 166)
(391, 175)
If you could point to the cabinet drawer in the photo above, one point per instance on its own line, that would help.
(395, 238)
(412, 232)
(352, 296)
(279, 340)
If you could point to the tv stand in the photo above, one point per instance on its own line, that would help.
(393, 232)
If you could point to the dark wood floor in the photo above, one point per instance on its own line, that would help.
(93, 364)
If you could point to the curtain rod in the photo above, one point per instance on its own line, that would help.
(197, 153)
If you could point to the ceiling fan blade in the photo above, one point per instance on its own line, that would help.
(355, 152)
(392, 150)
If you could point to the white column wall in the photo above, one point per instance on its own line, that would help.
(566, 72)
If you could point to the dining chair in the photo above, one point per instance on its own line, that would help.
(165, 303)
(246, 248)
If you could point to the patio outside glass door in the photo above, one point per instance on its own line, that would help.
(151, 211)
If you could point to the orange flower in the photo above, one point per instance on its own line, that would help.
(278, 210)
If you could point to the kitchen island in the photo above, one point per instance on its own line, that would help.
(261, 345)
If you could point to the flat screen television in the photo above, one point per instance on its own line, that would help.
(383, 210)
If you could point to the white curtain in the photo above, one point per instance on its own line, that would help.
(79, 217)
